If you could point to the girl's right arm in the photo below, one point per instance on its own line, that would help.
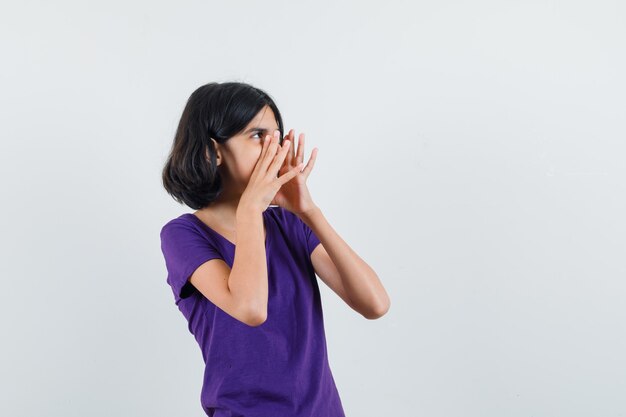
(248, 278)
(243, 291)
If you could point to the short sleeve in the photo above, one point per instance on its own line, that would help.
(184, 249)
(310, 238)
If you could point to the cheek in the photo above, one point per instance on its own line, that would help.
(247, 160)
(255, 155)
(250, 162)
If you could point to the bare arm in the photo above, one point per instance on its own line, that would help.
(344, 271)
(242, 291)
(248, 278)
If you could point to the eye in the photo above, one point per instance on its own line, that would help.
(257, 134)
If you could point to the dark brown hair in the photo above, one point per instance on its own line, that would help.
(215, 110)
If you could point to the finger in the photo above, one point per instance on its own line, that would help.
(273, 146)
(287, 159)
(300, 154)
(290, 157)
(279, 158)
(309, 166)
(294, 161)
(285, 164)
(259, 161)
(289, 174)
(266, 143)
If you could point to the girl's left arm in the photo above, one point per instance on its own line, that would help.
(353, 280)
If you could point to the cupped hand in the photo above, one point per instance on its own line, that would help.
(294, 194)
(266, 180)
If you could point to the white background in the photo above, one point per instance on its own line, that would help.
(471, 152)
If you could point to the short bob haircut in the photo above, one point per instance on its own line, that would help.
(215, 110)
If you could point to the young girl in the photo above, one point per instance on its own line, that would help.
(242, 266)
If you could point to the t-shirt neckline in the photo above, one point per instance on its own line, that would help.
(207, 227)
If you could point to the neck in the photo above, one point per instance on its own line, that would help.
(223, 210)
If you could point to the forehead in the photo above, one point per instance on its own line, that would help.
(264, 120)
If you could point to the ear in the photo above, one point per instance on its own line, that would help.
(218, 152)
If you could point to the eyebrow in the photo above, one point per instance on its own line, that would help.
(257, 129)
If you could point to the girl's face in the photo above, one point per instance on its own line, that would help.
(239, 154)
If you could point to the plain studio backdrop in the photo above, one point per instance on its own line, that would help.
(472, 152)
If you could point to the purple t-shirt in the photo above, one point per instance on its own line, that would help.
(277, 369)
